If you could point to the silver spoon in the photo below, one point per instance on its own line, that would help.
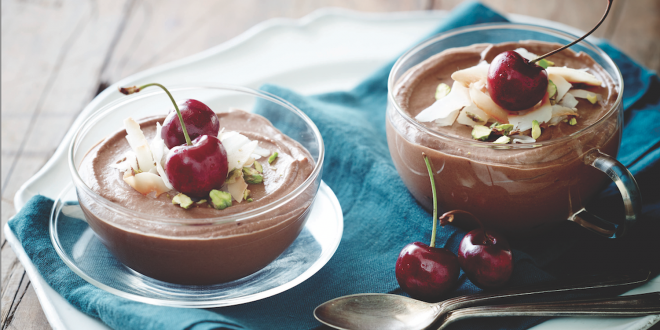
(389, 311)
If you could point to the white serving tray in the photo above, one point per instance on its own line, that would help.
(328, 50)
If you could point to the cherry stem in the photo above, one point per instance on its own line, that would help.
(435, 200)
(609, 5)
(449, 216)
(131, 90)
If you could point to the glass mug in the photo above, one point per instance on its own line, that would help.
(517, 189)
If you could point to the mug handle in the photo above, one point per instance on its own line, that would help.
(632, 200)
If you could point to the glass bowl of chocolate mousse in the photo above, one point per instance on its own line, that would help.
(200, 244)
(522, 172)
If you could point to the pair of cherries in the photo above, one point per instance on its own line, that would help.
(427, 272)
(194, 167)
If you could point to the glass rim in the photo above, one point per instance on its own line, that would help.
(124, 211)
(492, 26)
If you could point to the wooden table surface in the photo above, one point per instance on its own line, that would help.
(58, 54)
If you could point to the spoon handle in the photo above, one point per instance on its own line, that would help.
(626, 306)
(594, 282)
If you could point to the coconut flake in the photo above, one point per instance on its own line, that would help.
(237, 188)
(523, 139)
(569, 101)
(139, 144)
(263, 152)
(485, 103)
(562, 85)
(146, 183)
(445, 110)
(575, 76)
(585, 94)
(471, 74)
(158, 150)
(541, 113)
(129, 161)
(526, 54)
(472, 115)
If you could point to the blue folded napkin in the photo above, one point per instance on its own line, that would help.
(380, 216)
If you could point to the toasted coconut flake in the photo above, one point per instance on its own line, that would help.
(471, 74)
(559, 110)
(485, 103)
(263, 152)
(575, 76)
(129, 162)
(472, 115)
(158, 150)
(523, 139)
(146, 183)
(445, 110)
(237, 188)
(139, 144)
(562, 85)
(541, 112)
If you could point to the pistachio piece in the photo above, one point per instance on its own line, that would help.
(233, 175)
(258, 167)
(504, 128)
(442, 91)
(220, 200)
(502, 140)
(246, 194)
(592, 98)
(250, 200)
(552, 91)
(272, 157)
(201, 201)
(480, 132)
(252, 176)
(183, 201)
(536, 130)
(572, 122)
(545, 63)
(474, 117)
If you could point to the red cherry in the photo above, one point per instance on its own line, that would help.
(485, 256)
(199, 120)
(514, 83)
(197, 169)
(426, 272)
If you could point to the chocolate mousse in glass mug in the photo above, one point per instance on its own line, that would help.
(517, 189)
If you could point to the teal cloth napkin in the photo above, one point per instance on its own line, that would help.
(380, 216)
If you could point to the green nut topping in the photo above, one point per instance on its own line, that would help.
(220, 200)
(592, 98)
(272, 157)
(504, 128)
(250, 200)
(545, 63)
(246, 194)
(183, 201)
(252, 176)
(258, 167)
(480, 132)
(233, 175)
(201, 201)
(502, 140)
(442, 91)
(572, 122)
(552, 90)
(536, 130)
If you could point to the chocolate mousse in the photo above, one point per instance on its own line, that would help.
(199, 245)
(516, 188)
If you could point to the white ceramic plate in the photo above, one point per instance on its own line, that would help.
(340, 46)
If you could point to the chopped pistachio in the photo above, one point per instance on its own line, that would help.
(502, 140)
(201, 201)
(494, 124)
(536, 130)
(220, 200)
(573, 121)
(474, 117)
(252, 176)
(504, 128)
(442, 91)
(183, 201)
(272, 157)
(480, 132)
(545, 63)
(250, 200)
(233, 175)
(552, 90)
(258, 167)
(246, 194)
(592, 98)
